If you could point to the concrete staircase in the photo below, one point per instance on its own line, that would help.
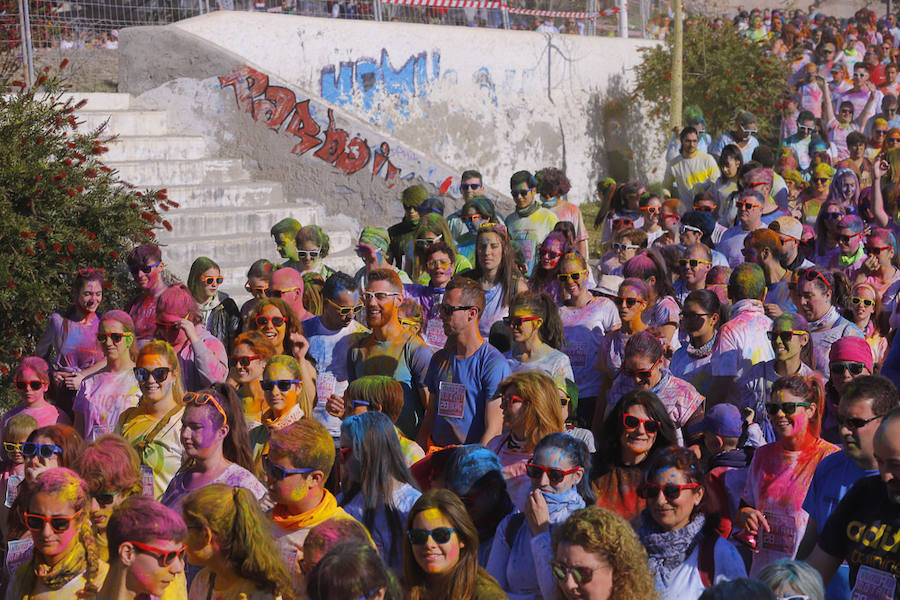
(223, 212)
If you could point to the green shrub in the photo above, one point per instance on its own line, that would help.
(61, 209)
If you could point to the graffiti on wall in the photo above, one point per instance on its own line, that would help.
(278, 108)
(367, 77)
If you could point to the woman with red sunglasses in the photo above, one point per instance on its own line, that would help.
(218, 312)
(678, 528)
(521, 549)
(249, 354)
(780, 473)
(32, 383)
(65, 563)
(543, 277)
(637, 428)
(69, 343)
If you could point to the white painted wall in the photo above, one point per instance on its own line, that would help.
(490, 99)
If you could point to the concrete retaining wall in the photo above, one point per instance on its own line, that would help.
(366, 98)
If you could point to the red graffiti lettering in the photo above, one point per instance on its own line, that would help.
(382, 157)
(304, 127)
(248, 83)
(275, 107)
(355, 158)
(334, 144)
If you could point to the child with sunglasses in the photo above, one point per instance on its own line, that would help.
(12, 467)
(440, 558)
(65, 563)
(678, 530)
(299, 461)
(559, 485)
(32, 382)
(50, 447)
(229, 537)
(218, 312)
(146, 541)
(780, 473)
(866, 312)
(103, 396)
(216, 446)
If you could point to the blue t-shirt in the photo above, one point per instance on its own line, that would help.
(832, 479)
(479, 374)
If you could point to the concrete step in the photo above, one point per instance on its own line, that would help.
(234, 195)
(183, 248)
(170, 173)
(100, 101)
(156, 147)
(230, 220)
(125, 122)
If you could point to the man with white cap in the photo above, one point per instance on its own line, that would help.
(790, 232)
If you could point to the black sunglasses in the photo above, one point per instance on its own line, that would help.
(144, 269)
(447, 310)
(115, 337)
(788, 408)
(33, 384)
(839, 367)
(855, 422)
(283, 384)
(159, 374)
(106, 498)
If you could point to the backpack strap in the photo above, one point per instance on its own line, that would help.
(151, 437)
(512, 528)
(706, 559)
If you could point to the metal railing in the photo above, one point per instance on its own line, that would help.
(67, 25)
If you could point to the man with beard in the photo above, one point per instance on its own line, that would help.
(864, 403)
(391, 349)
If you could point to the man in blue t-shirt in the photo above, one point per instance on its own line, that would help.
(463, 376)
(864, 402)
(864, 528)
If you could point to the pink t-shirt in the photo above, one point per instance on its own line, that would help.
(45, 414)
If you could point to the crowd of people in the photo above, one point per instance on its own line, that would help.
(484, 410)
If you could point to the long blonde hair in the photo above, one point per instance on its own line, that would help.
(543, 410)
(164, 349)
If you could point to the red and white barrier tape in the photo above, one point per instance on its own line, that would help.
(502, 5)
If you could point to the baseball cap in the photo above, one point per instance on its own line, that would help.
(723, 419)
(788, 226)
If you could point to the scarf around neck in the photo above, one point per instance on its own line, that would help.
(564, 504)
(528, 210)
(325, 510)
(667, 550)
(826, 322)
(701, 351)
(72, 564)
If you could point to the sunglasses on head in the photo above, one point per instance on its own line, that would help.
(788, 408)
(575, 277)
(263, 321)
(693, 262)
(785, 336)
(707, 209)
(620, 247)
(629, 302)
(841, 367)
(686, 228)
(115, 337)
(33, 384)
(344, 311)
(632, 422)
(270, 293)
(465, 187)
(864, 301)
(159, 374)
(30, 449)
(517, 322)
(812, 275)
(520, 193)
(199, 399)
(580, 575)
(440, 535)
(105, 498)
(855, 422)
(144, 269)
(425, 242)
(277, 472)
(211, 280)
(58, 524)
(671, 491)
(283, 384)
(313, 254)
(244, 361)
(165, 557)
(553, 474)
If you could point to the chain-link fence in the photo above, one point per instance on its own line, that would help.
(89, 28)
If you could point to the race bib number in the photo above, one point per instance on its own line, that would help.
(782, 533)
(325, 384)
(577, 354)
(98, 430)
(451, 400)
(12, 489)
(434, 333)
(872, 584)
(18, 552)
(147, 488)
